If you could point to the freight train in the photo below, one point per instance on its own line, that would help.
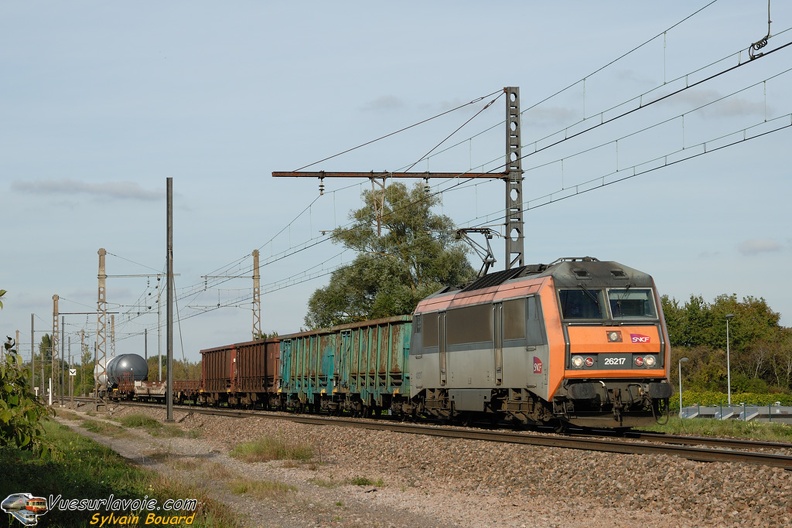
(578, 341)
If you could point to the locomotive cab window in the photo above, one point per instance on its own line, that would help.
(632, 303)
(581, 303)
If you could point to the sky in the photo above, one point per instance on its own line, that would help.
(649, 137)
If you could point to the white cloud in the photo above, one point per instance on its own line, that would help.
(758, 245)
(713, 104)
(116, 190)
(384, 102)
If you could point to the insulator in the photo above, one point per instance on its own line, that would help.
(321, 187)
(426, 185)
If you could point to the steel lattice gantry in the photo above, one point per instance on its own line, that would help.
(512, 175)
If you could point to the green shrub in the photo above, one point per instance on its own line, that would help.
(714, 399)
(21, 414)
(271, 448)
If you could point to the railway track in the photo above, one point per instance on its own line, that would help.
(692, 448)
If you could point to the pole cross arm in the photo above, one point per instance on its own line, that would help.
(381, 175)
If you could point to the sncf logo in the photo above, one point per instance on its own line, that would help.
(640, 338)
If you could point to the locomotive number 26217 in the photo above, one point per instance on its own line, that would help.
(615, 361)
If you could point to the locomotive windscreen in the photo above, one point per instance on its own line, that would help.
(632, 303)
(581, 304)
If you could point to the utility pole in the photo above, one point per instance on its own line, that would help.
(256, 296)
(101, 323)
(514, 226)
(256, 291)
(82, 362)
(71, 378)
(168, 308)
(32, 354)
(54, 343)
(62, 357)
(515, 238)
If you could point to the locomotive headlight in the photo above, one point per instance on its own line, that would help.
(577, 361)
(614, 337)
(639, 361)
(650, 361)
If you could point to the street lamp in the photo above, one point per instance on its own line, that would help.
(728, 361)
(681, 360)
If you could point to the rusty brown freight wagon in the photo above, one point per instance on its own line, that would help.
(240, 374)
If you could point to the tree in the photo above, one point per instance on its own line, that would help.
(20, 414)
(761, 350)
(405, 252)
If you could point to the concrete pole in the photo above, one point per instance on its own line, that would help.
(169, 307)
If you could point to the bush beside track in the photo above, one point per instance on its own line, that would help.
(77, 467)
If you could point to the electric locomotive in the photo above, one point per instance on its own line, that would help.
(578, 341)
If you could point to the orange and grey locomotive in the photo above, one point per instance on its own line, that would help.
(577, 341)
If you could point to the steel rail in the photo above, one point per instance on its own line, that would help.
(733, 443)
(657, 444)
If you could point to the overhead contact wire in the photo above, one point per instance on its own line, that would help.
(474, 101)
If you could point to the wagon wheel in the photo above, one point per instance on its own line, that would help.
(465, 419)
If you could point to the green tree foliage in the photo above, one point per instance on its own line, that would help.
(405, 252)
(45, 348)
(182, 369)
(20, 413)
(760, 349)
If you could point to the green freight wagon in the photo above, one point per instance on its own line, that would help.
(360, 368)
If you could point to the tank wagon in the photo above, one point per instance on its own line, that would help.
(578, 341)
(127, 378)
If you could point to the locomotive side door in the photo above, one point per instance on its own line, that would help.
(536, 346)
(498, 337)
(443, 359)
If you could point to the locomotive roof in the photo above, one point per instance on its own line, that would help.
(567, 272)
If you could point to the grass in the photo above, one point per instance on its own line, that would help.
(67, 415)
(767, 431)
(364, 481)
(272, 448)
(260, 489)
(355, 481)
(79, 468)
(103, 428)
(322, 483)
(154, 427)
